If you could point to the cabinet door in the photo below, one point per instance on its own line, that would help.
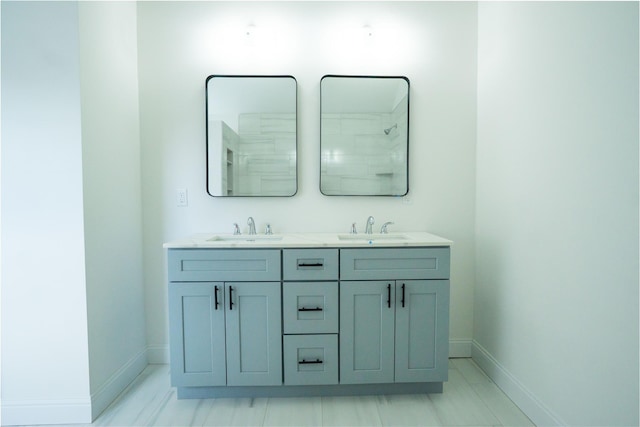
(422, 329)
(366, 332)
(254, 333)
(197, 334)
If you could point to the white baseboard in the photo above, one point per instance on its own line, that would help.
(158, 354)
(108, 391)
(54, 411)
(73, 411)
(514, 389)
(460, 348)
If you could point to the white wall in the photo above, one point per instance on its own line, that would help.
(556, 313)
(45, 363)
(112, 197)
(433, 44)
(73, 321)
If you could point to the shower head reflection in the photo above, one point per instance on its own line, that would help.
(387, 131)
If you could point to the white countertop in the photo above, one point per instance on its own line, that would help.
(309, 240)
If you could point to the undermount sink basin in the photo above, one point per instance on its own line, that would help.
(372, 237)
(245, 238)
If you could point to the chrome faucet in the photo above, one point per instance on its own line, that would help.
(353, 229)
(236, 229)
(369, 228)
(383, 229)
(252, 226)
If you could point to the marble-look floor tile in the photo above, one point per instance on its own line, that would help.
(408, 410)
(237, 412)
(501, 406)
(174, 412)
(297, 411)
(469, 399)
(470, 371)
(139, 401)
(350, 411)
(459, 405)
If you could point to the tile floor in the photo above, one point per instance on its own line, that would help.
(470, 398)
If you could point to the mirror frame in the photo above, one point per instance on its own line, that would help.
(206, 90)
(406, 79)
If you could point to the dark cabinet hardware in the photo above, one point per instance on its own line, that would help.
(215, 293)
(310, 309)
(230, 297)
(389, 295)
(310, 362)
(403, 295)
(318, 264)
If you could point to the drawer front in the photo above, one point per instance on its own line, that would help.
(310, 308)
(394, 263)
(310, 264)
(239, 265)
(310, 359)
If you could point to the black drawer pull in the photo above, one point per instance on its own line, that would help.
(318, 264)
(310, 362)
(310, 309)
(389, 295)
(215, 292)
(403, 295)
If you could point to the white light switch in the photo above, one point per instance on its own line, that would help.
(182, 197)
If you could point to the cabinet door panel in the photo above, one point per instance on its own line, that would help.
(394, 263)
(422, 326)
(366, 332)
(310, 264)
(197, 334)
(254, 330)
(310, 359)
(300, 296)
(186, 265)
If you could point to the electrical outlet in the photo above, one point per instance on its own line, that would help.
(182, 198)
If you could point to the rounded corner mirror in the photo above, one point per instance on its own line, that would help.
(251, 133)
(364, 135)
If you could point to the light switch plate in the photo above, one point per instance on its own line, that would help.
(182, 199)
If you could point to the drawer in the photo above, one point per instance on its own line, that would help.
(310, 359)
(310, 307)
(394, 263)
(310, 264)
(238, 265)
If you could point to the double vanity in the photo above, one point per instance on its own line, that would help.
(308, 314)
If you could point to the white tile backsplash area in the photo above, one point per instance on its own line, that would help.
(359, 158)
(266, 148)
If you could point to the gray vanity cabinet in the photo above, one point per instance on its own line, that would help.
(394, 329)
(422, 312)
(254, 333)
(306, 321)
(310, 313)
(225, 326)
(366, 332)
(197, 335)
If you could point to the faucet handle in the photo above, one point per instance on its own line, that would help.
(268, 230)
(353, 229)
(236, 229)
(383, 229)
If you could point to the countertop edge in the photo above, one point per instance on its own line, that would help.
(309, 240)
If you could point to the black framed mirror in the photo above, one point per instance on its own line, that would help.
(364, 135)
(251, 132)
